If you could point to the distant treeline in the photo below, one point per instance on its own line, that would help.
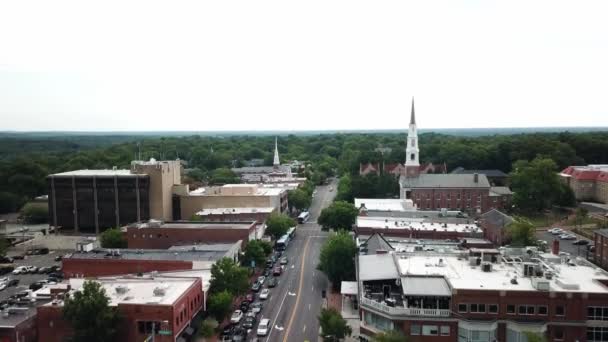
(24, 162)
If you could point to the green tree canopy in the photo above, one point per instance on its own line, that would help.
(3, 246)
(390, 336)
(113, 238)
(220, 304)
(535, 184)
(35, 213)
(299, 199)
(90, 315)
(337, 258)
(254, 251)
(9, 203)
(278, 224)
(535, 337)
(207, 328)
(226, 275)
(339, 215)
(522, 232)
(333, 326)
(223, 176)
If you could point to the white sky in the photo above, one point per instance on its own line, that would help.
(282, 65)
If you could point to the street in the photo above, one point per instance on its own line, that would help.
(295, 303)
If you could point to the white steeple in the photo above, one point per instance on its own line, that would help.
(276, 161)
(412, 151)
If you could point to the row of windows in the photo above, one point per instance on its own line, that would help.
(597, 313)
(183, 314)
(430, 330)
(597, 334)
(511, 309)
(447, 196)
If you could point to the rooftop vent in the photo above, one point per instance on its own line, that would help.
(121, 289)
(159, 291)
(486, 267)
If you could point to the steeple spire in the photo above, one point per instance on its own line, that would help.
(276, 161)
(413, 118)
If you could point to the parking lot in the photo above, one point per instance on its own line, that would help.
(564, 245)
(25, 280)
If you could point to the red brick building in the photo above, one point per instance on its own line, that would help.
(589, 183)
(163, 306)
(415, 228)
(600, 255)
(18, 324)
(100, 263)
(259, 215)
(495, 225)
(163, 235)
(482, 296)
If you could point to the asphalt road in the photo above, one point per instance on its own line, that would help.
(295, 303)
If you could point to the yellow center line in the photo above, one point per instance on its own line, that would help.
(295, 309)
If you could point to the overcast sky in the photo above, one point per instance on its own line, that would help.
(282, 65)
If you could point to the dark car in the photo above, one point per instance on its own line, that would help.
(12, 282)
(269, 263)
(256, 307)
(36, 286)
(44, 270)
(228, 330)
(56, 275)
(272, 282)
(6, 260)
(250, 297)
(267, 272)
(18, 257)
(249, 322)
(6, 269)
(53, 280)
(239, 335)
(245, 306)
(256, 287)
(277, 271)
(581, 242)
(59, 258)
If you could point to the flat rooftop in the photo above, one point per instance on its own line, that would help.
(193, 254)
(384, 204)
(238, 191)
(234, 211)
(100, 173)
(379, 222)
(193, 225)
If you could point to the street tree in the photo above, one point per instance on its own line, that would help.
(226, 275)
(333, 326)
(336, 259)
(220, 305)
(339, 215)
(207, 328)
(113, 238)
(391, 336)
(522, 232)
(278, 224)
(254, 251)
(90, 315)
(298, 199)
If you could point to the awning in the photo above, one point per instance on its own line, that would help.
(348, 288)
(425, 286)
(527, 327)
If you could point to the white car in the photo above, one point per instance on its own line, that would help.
(263, 327)
(20, 270)
(236, 317)
(556, 231)
(261, 280)
(3, 285)
(567, 237)
(264, 294)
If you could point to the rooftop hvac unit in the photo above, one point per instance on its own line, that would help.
(159, 291)
(473, 261)
(529, 270)
(548, 275)
(121, 289)
(486, 267)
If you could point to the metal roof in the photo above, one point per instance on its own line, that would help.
(445, 181)
(377, 267)
(348, 288)
(425, 286)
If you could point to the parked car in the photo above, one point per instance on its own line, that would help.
(3, 285)
(12, 282)
(6, 260)
(269, 262)
(239, 335)
(267, 272)
(59, 258)
(256, 287)
(6, 269)
(250, 297)
(263, 327)
(256, 307)
(556, 231)
(44, 270)
(261, 280)
(36, 286)
(277, 271)
(227, 332)
(236, 317)
(18, 257)
(32, 269)
(272, 282)
(264, 294)
(284, 261)
(248, 322)
(244, 306)
(20, 270)
(581, 242)
(56, 275)
(567, 237)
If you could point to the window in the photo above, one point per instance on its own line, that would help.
(430, 330)
(415, 329)
(558, 333)
(378, 322)
(526, 310)
(597, 313)
(462, 308)
(412, 156)
(445, 330)
(449, 197)
(493, 308)
(559, 310)
(458, 197)
(473, 308)
(482, 308)
(511, 309)
(543, 310)
(597, 334)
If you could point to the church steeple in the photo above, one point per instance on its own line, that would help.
(412, 164)
(276, 161)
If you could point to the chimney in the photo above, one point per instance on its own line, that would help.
(475, 178)
(555, 247)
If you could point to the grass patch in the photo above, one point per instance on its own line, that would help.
(542, 219)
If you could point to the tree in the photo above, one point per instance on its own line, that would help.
(207, 328)
(223, 176)
(90, 315)
(266, 246)
(336, 259)
(113, 238)
(390, 336)
(3, 246)
(278, 224)
(535, 337)
(298, 199)
(254, 251)
(535, 184)
(226, 275)
(580, 215)
(35, 213)
(566, 197)
(9, 203)
(220, 305)
(333, 326)
(522, 232)
(339, 215)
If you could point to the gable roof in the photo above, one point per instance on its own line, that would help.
(445, 181)
(489, 173)
(377, 242)
(497, 218)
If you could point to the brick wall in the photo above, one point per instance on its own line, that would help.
(73, 267)
(415, 234)
(467, 200)
(163, 238)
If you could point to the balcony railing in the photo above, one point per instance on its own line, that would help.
(398, 310)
